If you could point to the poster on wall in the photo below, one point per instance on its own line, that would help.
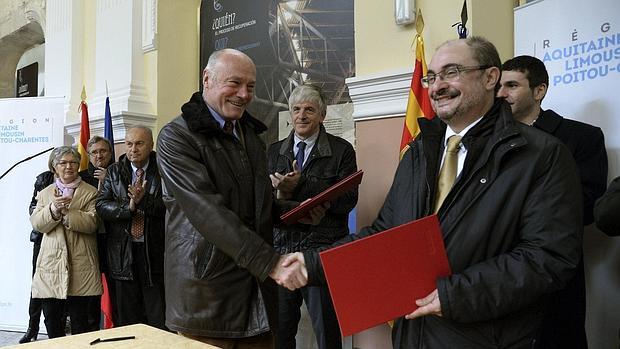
(291, 42)
(27, 126)
(235, 24)
(27, 81)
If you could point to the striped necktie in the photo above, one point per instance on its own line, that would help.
(137, 223)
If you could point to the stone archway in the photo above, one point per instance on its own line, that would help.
(21, 29)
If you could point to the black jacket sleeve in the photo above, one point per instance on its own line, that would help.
(43, 180)
(607, 210)
(591, 159)
(113, 206)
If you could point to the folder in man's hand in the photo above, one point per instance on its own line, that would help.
(329, 194)
(378, 278)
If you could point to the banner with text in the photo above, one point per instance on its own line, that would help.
(579, 42)
(27, 126)
(580, 46)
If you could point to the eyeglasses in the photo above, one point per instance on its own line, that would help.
(451, 73)
(99, 152)
(67, 163)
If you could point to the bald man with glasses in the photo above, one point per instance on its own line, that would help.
(506, 201)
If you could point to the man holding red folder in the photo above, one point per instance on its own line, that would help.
(303, 165)
(509, 204)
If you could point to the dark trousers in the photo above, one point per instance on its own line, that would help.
(321, 311)
(94, 314)
(135, 300)
(54, 310)
(35, 306)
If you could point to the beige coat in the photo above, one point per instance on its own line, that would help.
(68, 264)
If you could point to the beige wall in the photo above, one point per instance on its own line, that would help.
(177, 57)
(494, 20)
(171, 70)
(381, 46)
(378, 157)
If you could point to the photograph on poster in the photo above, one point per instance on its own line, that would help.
(291, 43)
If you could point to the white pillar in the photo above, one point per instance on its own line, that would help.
(119, 67)
(64, 45)
(119, 58)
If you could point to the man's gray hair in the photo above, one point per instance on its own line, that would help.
(142, 127)
(97, 139)
(215, 57)
(308, 93)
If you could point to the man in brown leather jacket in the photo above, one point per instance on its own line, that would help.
(219, 259)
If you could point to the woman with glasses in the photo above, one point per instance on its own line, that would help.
(34, 307)
(67, 268)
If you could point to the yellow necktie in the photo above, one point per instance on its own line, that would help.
(447, 175)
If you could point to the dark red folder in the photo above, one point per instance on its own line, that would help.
(378, 278)
(328, 194)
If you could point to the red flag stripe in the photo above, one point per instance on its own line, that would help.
(106, 304)
(419, 104)
(84, 136)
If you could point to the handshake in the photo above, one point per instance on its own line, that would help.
(290, 272)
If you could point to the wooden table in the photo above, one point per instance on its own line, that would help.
(147, 337)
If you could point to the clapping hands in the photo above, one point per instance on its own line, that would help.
(136, 193)
(59, 204)
(286, 183)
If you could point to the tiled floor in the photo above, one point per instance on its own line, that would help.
(10, 338)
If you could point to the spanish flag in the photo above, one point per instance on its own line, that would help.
(419, 104)
(84, 132)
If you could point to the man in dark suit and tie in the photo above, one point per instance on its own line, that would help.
(301, 166)
(524, 84)
(131, 207)
(511, 220)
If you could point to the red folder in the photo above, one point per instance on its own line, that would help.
(378, 278)
(328, 194)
